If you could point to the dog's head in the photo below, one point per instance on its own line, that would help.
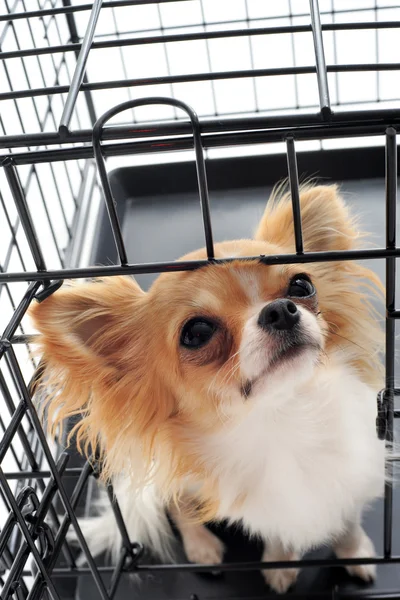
(203, 346)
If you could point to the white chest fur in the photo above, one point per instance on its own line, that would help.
(300, 469)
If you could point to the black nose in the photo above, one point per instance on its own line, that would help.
(280, 314)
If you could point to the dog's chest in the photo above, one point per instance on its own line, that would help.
(303, 475)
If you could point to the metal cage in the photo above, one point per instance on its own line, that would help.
(51, 131)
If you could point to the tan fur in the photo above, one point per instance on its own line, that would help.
(112, 351)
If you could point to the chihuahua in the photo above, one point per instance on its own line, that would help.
(238, 391)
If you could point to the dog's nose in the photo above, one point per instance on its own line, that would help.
(280, 315)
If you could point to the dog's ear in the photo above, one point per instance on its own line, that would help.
(96, 345)
(83, 325)
(326, 222)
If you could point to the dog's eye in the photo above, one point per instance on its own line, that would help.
(300, 287)
(197, 332)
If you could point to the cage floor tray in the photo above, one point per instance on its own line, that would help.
(160, 214)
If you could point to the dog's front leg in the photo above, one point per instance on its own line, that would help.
(280, 580)
(200, 545)
(355, 543)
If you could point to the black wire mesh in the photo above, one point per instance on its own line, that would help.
(51, 96)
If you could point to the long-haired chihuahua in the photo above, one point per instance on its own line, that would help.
(236, 391)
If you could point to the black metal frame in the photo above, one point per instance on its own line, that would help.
(26, 512)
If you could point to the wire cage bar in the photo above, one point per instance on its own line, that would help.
(71, 138)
